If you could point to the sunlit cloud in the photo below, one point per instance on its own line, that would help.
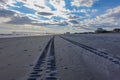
(86, 3)
(107, 20)
(82, 14)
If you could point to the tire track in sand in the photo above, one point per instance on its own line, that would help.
(114, 59)
(45, 68)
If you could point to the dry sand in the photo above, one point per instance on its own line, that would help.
(76, 63)
(19, 56)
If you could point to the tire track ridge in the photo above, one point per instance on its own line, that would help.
(45, 68)
(114, 59)
(36, 70)
(51, 65)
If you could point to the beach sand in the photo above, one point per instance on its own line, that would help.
(19, 55)
(63, 57)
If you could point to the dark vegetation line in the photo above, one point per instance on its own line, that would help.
(114, 59)
(45, 68)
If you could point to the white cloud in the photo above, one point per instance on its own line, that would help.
(4, 19)
(109, 19)
(88, 10)
(88, 13)
(60, 8)
(9, 2)
(58, 4)
(39, 6)
(86, 3)
(32, 4)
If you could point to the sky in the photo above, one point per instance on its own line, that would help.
(58, 16)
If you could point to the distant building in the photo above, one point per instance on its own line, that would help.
(100, 30)
(116, 30)
(67, 33)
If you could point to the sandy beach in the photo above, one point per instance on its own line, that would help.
(19, 55)
(60, 57)
(59, 39)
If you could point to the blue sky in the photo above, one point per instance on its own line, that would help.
(59, 15)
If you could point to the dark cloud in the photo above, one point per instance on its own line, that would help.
(2, 0)
(42, 7)
(62, 23)
(45, 13)
(73, 17)
(14, 19)
(20, 20)
(6, 13)
(104, 25)
(115, 15)
(73, 21)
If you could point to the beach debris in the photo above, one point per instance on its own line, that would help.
(25, 50)
(66, 68)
